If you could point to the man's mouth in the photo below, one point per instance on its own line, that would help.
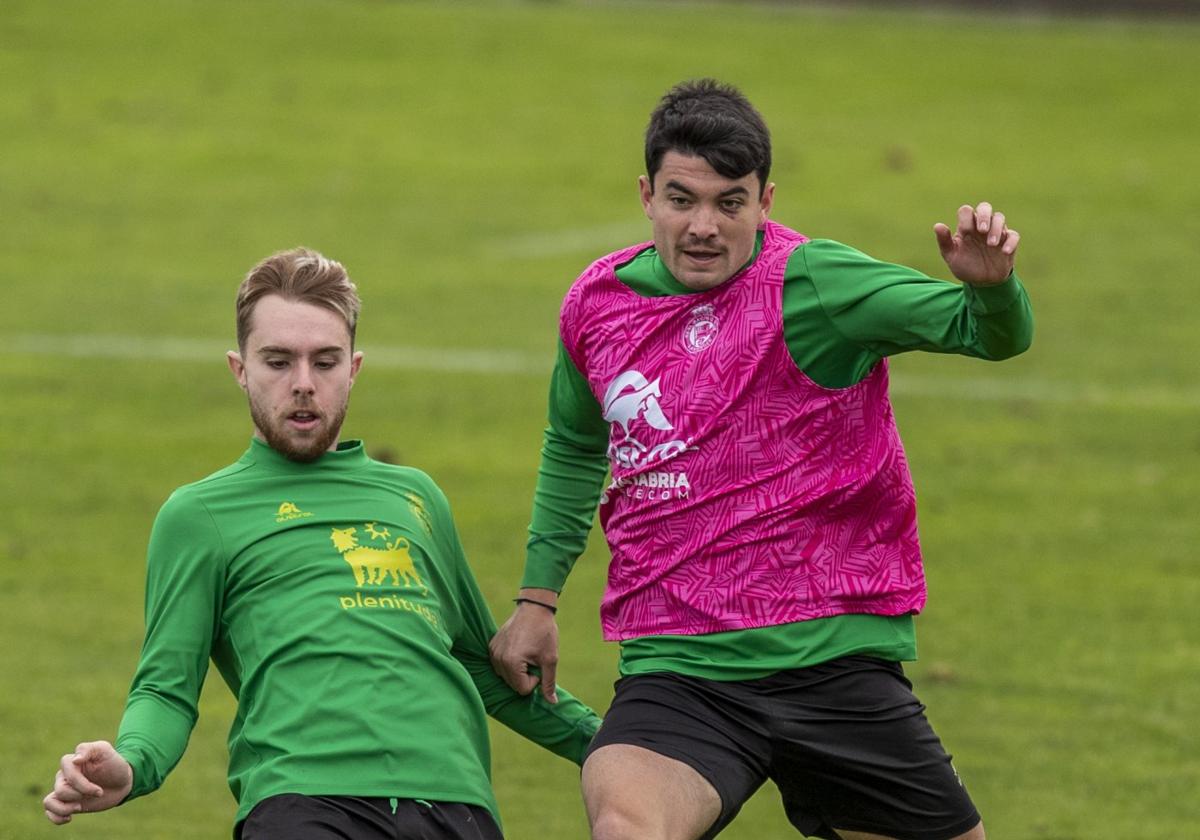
(703, 256)
(304, 419)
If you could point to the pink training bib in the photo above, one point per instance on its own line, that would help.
(743, 494)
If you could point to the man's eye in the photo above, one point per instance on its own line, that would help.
(325, 364)
(679, 201)
(276, 364)
(731, 206)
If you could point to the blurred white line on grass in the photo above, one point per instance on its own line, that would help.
(1041, 391)
(516, 362)
(166, 348)
(586, 240)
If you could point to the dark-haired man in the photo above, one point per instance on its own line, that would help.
(332, 594)
(765, 569)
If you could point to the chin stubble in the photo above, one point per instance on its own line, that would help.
(302, 452)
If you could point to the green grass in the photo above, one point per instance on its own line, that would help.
(465, 161)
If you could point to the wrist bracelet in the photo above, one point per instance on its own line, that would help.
(553, 609)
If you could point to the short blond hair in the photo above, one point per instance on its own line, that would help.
(303, 275)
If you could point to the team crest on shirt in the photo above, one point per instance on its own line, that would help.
(701, 329)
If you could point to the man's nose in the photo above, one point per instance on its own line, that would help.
(302, 381)
(703, 224)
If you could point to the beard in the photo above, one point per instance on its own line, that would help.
(303, 447)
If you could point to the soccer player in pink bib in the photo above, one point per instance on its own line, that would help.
(732, 377)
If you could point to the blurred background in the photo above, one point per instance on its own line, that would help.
(465, 161)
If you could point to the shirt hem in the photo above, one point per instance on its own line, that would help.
(891, 607)
(896, 653)
(247, 805)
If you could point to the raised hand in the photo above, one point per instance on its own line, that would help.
(982, 250)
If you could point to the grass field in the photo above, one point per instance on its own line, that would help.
(465, 161)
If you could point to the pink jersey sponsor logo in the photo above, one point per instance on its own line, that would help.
(629, 398)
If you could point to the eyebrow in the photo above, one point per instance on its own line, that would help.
(738, 190)
(287, 351)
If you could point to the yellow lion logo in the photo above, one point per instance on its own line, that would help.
(372, 566)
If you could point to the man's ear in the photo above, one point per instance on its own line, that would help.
(766, 202)
(237, 367)
(355, 366)
(646, 193)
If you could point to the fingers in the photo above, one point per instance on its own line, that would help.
(945, 238)
(72, 787)
(57, 811)
(522, 680)
(993, 224)
(56, 819)
(549, 673)
(512, 668)
(995, 230)
(72, 770)
(966, 220)
(984, 220)
(527, 642)
(1011, 240)
(981, 220)
(984, 217)
(65, 800)
(93, 778)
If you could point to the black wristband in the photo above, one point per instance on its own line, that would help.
(551, 607)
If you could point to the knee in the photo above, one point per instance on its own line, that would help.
(609, 823)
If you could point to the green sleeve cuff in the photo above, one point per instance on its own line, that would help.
(138, 764)
(988, 300)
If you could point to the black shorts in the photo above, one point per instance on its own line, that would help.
(291, 816)
(846, 742)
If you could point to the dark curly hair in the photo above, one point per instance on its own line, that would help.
(715, 121)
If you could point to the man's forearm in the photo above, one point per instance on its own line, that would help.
(570, 479)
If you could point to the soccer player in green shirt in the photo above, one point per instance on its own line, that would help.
(331, 592)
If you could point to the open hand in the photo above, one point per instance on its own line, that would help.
(982, 251)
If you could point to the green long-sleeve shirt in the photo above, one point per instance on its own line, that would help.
(335, 600)
(842, 313)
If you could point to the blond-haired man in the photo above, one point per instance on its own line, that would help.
(332, 594)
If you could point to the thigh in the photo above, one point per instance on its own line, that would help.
(855, 752)
(681, 736)
(630, 791)
(290, 816)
